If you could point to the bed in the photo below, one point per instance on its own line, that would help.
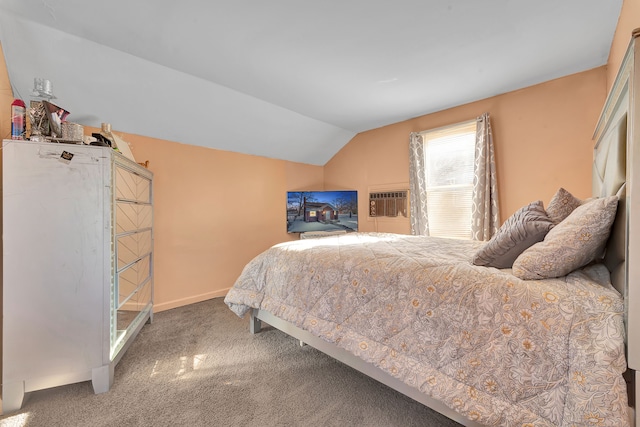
(547, 339)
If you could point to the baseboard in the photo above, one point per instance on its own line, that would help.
(190, 300)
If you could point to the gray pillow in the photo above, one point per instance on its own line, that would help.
(527, 226)
(573, 243)
(561, 205)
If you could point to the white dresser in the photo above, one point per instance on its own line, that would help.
(77, 253)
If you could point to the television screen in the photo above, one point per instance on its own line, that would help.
(322, 211)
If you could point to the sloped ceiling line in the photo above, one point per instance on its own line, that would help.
(290, 79)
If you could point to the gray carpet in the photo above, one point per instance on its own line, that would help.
(198, 365)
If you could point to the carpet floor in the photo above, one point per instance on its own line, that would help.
(198, 365)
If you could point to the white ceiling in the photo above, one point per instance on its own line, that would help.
(290, 79)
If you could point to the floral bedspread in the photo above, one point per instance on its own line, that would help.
(499, 350)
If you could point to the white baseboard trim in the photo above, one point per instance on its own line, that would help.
(190, 300)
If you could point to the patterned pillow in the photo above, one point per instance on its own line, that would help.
(561, 205)
(573, 243)
(527, 226)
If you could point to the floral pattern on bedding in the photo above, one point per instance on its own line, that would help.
(500, 350)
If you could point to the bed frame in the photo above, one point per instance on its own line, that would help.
(616, 170)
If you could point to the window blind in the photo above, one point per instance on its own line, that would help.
(449, 161)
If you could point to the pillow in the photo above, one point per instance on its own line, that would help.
(561, 205)
(527, 226)
(573, 243)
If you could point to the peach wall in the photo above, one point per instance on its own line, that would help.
(6, 98)
(214, 211)
(628, 21)
(542, 138)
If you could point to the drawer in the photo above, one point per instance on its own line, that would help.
(132, 277)
(130, 310)
(132, 246)
(132, 216)
(132, 187)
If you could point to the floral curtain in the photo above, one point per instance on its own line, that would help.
(485, 215)
(417, 186)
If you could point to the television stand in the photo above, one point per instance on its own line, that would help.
(316, 234)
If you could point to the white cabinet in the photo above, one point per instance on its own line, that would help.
(77, 273)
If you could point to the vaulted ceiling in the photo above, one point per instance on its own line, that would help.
(290, 79)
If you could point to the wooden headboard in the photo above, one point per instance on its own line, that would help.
(616, 170)
(609, 178)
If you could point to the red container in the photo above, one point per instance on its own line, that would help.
(18, 119)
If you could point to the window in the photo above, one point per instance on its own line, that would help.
(449, 166)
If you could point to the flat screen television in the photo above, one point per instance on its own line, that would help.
(322, 211)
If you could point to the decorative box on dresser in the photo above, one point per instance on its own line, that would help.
(77, 273)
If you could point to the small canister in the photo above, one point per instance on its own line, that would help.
(18, 119)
